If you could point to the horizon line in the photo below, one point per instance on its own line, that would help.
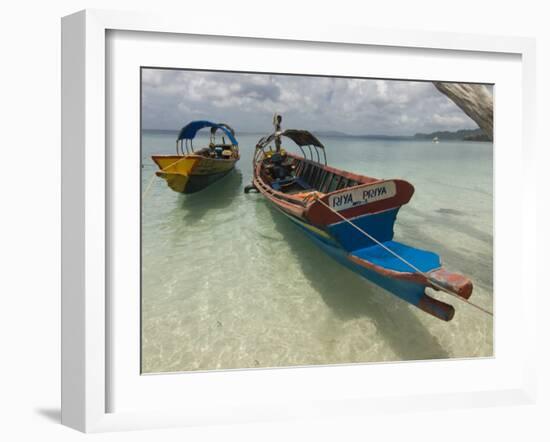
(339, 133)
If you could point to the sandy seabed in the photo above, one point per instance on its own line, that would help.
(228, 282)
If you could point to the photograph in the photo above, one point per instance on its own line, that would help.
(293, 220)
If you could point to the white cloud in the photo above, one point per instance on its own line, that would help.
(171, 98)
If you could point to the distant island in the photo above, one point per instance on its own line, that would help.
(463, 134)
(335, 133)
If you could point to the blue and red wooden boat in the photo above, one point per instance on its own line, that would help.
(351, 217)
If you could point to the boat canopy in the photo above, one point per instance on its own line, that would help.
(189, 131)
(300, 137)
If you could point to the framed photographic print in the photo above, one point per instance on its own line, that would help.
(277, 224)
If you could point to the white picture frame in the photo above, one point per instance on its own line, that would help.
(86, 204)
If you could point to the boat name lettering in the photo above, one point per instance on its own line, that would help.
(342, 199)
(363, 195)
(373, 193)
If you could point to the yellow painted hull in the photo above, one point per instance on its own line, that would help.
(191, 173)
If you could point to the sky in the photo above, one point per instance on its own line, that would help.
(247, 102)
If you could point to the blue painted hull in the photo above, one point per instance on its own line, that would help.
(406, 290)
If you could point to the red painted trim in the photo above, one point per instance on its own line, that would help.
(322, 216)
(405, 276)
(319, 215)
(281, 200)
(455, 282)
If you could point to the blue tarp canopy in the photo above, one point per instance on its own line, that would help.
(188, 132)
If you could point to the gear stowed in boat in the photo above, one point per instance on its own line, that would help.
(194, 170)
(351, 217)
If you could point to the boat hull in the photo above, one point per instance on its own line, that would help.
(191, 173)
(410, 290)
(372, 206)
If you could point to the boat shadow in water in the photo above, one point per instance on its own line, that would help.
(215, 197)
(351, 297)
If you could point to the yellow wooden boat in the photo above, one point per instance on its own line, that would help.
(194, 170)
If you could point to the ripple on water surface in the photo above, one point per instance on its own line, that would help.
(228, 282)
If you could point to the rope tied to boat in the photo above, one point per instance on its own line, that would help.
(316, 197)
(154, 175)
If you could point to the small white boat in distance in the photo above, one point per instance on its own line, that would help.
(435, 140)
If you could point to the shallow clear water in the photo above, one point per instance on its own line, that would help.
(228, 282)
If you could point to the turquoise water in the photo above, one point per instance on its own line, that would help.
(228, 282)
